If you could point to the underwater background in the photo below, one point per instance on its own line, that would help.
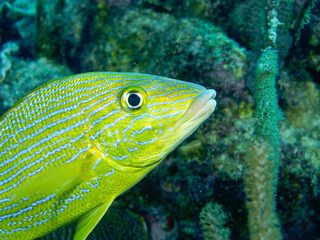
(221, 183)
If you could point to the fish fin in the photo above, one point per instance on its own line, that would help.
(88, 221)
(56, 180)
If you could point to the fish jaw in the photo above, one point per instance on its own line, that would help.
(200, 109)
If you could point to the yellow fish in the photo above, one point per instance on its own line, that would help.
(70, 147)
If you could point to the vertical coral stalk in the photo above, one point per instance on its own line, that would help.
(263, 158)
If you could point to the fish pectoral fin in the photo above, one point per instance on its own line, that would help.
(56, 180)
(88, 221)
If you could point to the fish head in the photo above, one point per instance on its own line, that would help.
(156, 117)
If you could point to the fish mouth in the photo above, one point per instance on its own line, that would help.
(200, 109)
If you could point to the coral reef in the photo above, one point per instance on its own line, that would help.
(213, 222)
(313, 55)
(193, 50)
(299, 172)
(249, 24)
(299, 135)
(18, 78)
(213, 43)
(229, 142)
(60, 28)
(259, 187)
(191, 8)
(5, 57)
(120, 223)
(18, 21)
(117, 224)
(262, 164)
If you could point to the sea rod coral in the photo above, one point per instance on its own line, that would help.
(263, 157)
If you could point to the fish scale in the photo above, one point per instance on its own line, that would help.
(73, 145)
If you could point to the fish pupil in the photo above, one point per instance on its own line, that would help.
(134, 100)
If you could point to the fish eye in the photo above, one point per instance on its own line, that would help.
(133, 98)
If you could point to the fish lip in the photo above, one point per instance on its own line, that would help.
(200, 109)
(206, 98)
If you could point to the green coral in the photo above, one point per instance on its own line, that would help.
(189, 49)
(249, 22)
(259, 188)
(248, 18)
(6, 59)
(24, 76)
(17, 17)
(213, 221)
(192, 150)
(61, 28)
(303, 18)
(191, 8)
(262, 165)
(230, 142)
(298, 133)
(268, 114)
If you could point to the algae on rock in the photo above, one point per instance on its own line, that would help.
(158, 43)
(24, 76)
(6, 59)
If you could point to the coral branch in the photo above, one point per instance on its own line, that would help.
(261, 173)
